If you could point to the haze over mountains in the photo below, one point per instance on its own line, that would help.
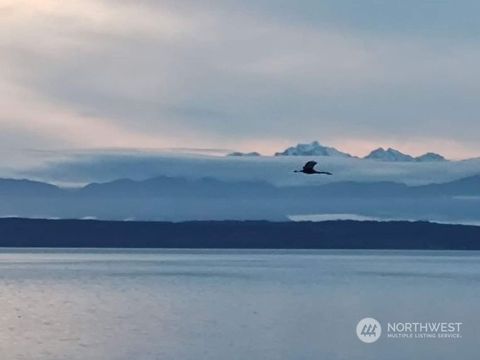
(316, 149)
(278, 170)
(210, 187)
(178, 187)
(179, 199)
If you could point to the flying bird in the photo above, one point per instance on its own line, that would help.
(309, 168)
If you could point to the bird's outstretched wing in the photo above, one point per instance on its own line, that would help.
(309, 165)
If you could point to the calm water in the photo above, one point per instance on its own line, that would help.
(258, 305)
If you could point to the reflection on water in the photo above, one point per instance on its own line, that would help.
(208, 304)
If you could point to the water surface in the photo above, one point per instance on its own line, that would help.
(231, 304)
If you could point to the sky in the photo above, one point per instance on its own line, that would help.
(239, 75)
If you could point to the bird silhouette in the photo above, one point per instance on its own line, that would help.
(309, 169)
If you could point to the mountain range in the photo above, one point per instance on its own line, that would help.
(316, 149)
(395, 155)
(180, 199)
(165, 186)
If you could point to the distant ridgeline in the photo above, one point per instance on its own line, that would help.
(181, 199)
(15, 232)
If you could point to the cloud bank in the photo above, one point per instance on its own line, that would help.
(88, 167)
(250, 75)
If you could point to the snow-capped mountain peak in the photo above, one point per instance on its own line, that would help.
(312, 149)
(395, 155)
(389, 155)
(430, 157)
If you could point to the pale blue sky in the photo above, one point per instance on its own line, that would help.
(243, 75)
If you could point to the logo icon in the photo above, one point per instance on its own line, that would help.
(369, 330)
